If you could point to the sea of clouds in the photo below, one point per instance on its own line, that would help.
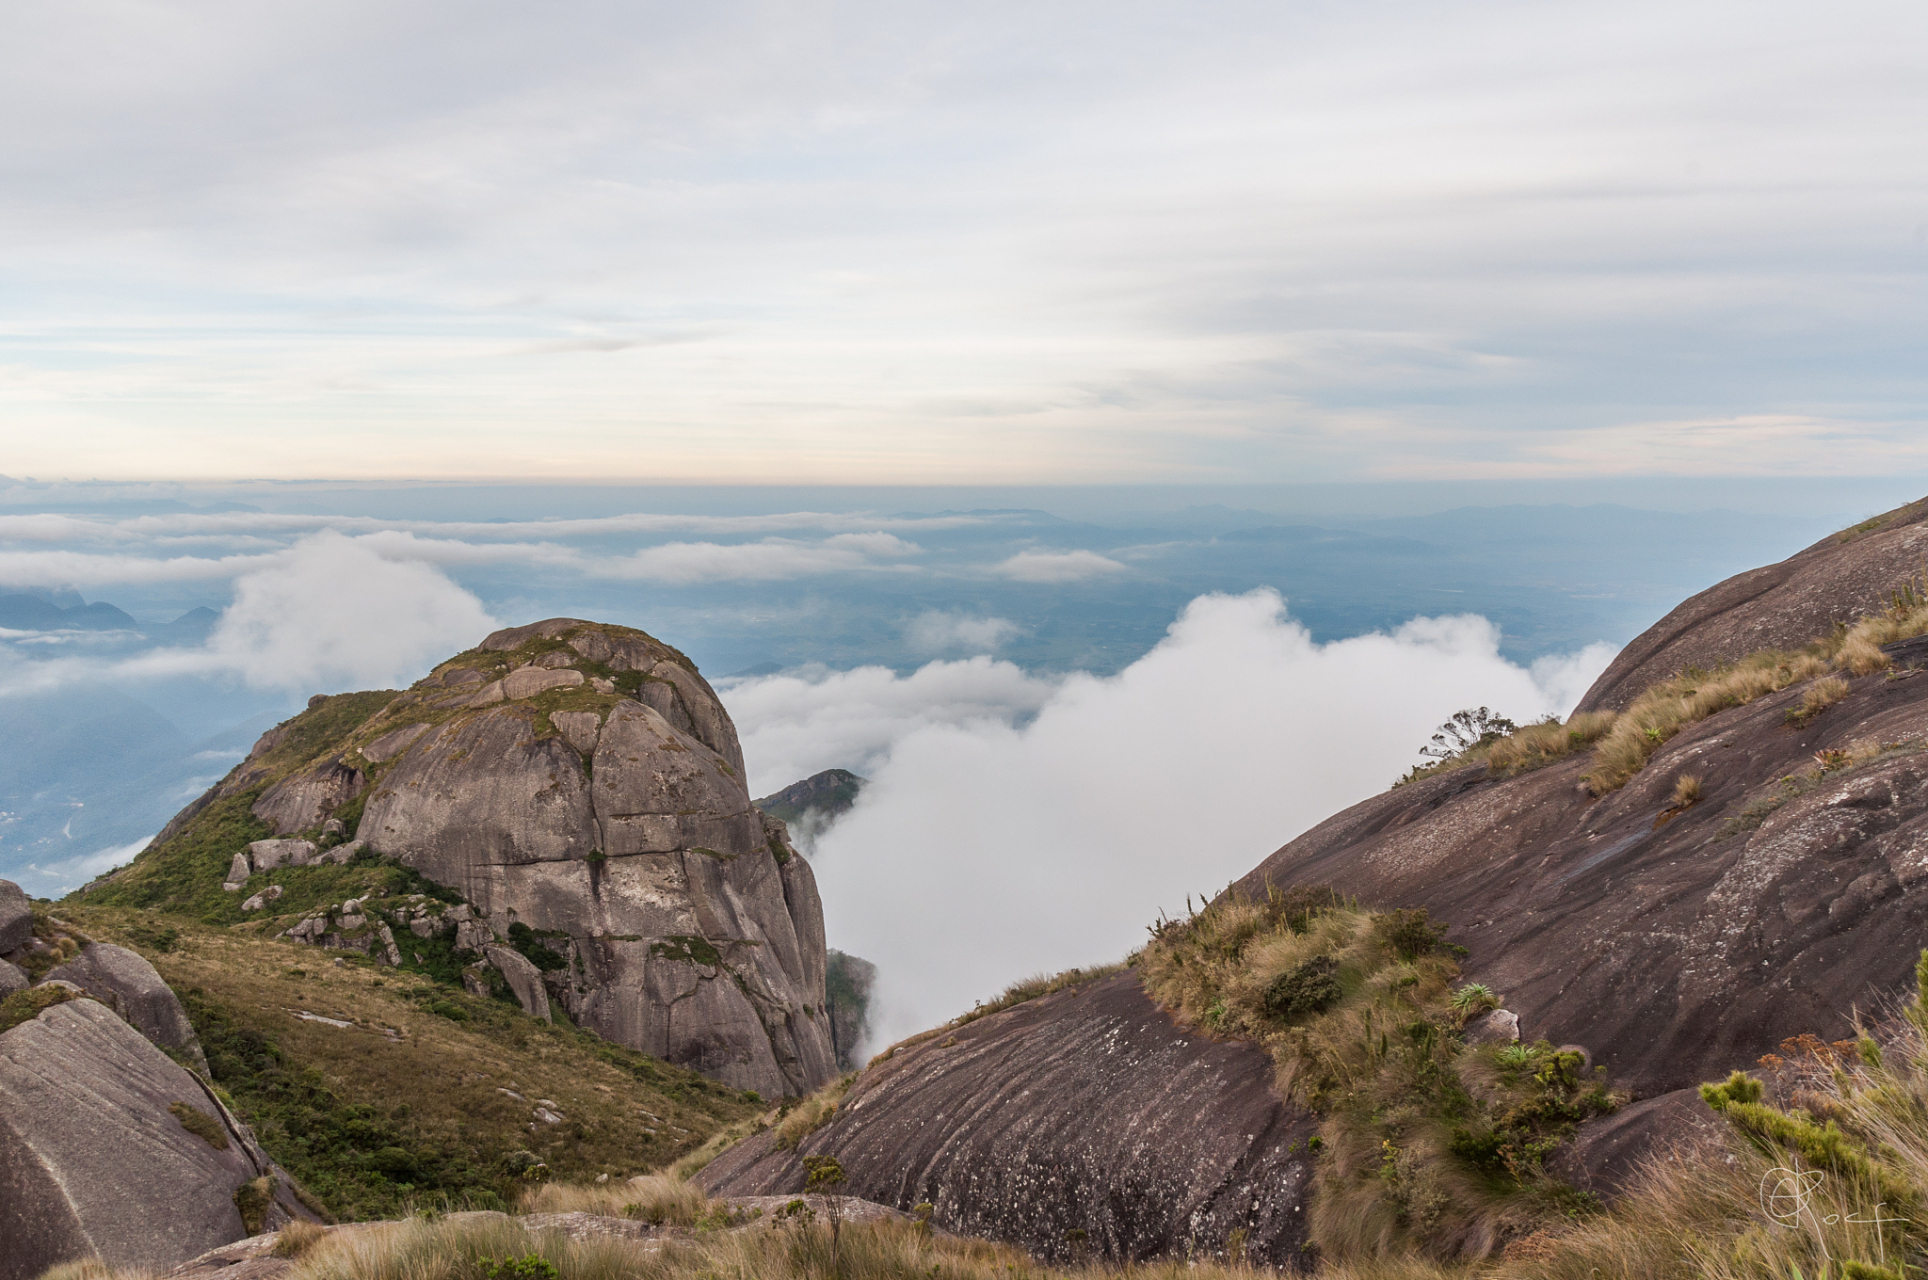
(1016, 821)
(1017, 824)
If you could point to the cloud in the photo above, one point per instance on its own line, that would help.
(805, 721)
(935, 631)
(71, 873)
(337, 613)
(1015, 825)
(683, 563)
(1058, 566)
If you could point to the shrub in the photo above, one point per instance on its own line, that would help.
(1474, 999)
(1465, 731)
(1686, 790)
(1312, 987)
(1411, 933)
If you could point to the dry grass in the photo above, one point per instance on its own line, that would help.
(1537, 745)
(1686, 790)
(465, 1247)
(297, 1238)
(1821, 695)
(658, 1198)
(94, 1269)
(1017, 993)
(1673, 705)
(1427, 1146)
(812, 1113)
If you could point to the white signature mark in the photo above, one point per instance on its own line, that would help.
(1788, 1194)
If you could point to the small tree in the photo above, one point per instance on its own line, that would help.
(1472, 727)
(825, 1173)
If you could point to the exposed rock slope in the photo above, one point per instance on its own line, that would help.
(581, 781)
(1777, 606)
(1674, 941)
(1082, 1121)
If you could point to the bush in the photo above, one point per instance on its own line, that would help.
(1311, 988)
(1410, 933)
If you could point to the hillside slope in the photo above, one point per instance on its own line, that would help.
(1738, 860)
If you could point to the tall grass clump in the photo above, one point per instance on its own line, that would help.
(1427, 1145)
(1665, 709)
(657, 1198)
(1538, 745)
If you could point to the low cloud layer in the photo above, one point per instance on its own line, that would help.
(329, 613)
(1058, 566)
(1016, 825)
(936, 631)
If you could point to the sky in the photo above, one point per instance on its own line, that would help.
(1120, 430)
(861, 243)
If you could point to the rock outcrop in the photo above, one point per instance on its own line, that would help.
(130, 986)
(110, 1149)
(1670, 941)
(1778, 606)
(1082, 1123)
(583, 783)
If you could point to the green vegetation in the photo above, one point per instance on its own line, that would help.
(25, 1006)
(799, 1121)
(1427, 1144)
(404, 1105)
(200, 1124)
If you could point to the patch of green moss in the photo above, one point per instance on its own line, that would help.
(200, 1124)
(25, 1006)
(530, 944)
(690, 949)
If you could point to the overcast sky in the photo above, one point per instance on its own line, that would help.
(1008, 242)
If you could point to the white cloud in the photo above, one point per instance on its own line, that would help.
(70, 873)
(936, 631)
(1058, 819)
(805, 721)
(682, 563)
(1058, 566)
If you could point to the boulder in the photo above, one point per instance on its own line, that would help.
(262, 899)
(155, 1196)
(238, 873)
(1086, 1110)
(16, 918)
(393, 743)
(578, 728)
(583, 780)
(692, 929)
(126, 983)
(529, 681)
(12, 978)
(300, 801)
(1495, 1026)
(267, 855)
(523, 978)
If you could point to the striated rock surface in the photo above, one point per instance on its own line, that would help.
(126, 983)
(1087, 1111)
(16, 917)
(76, 1073)
(1676, 945)
(582, 783)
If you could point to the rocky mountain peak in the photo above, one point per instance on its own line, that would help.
(580, 781)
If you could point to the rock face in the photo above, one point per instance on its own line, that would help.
(1674, 944)
(1778, 606)
(1088, 1111)
(130, 986)
(1679, 945)
(16, 918)
(77, 1073)
(582, 782)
